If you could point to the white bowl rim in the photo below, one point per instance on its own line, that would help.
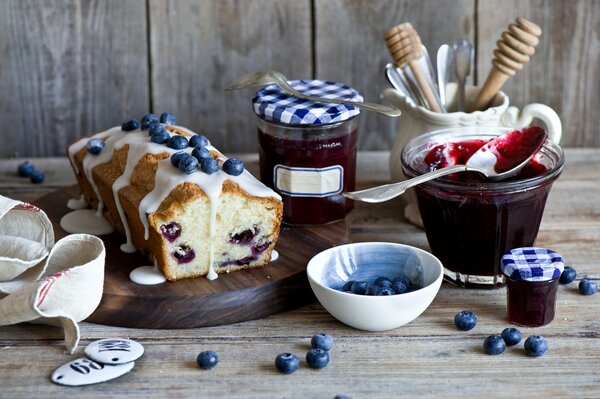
(435, 282)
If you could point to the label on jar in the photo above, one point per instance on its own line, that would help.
(308, 182)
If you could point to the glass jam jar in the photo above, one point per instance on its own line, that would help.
(532, 276)
(471, 222)
(307, 150)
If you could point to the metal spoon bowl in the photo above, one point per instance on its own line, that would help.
(482, 161)
(265, 78)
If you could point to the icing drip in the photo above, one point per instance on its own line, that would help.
(85, 221)
(77, 203)
(147, 275)
(166, 179)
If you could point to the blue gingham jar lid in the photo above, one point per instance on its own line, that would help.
(273, 105)
(532, 264)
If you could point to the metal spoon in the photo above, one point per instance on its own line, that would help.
(394, 76)
(264, 78)
(463, 53)
(483, 161)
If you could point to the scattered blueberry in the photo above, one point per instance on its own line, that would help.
(383, 282)
(198, 140)
(25, 169)
(568, 275)
(587, 287)
(147, 120)
(201, 152)
(177, 142)
(233, 167)
(399, 287)
(383, 291)
(188, 164)
(494, 345)
(348, 285)
(209, 165)
(536, 346)
(465, 320)
(511, 336)
(160, 137)
(405, 280)
(184, 254)
(317, 358)
(178, 156)
(167, 118)
(360, 287)
(207, 359)
(287, 363)
(130, 125)
(156, 128)
(95, 146)
(37, 177)
(171, 231)
(322, 341)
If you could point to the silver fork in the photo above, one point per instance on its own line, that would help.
(265, 78)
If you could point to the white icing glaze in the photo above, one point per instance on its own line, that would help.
(85, 221)
(167, 178)
(274, 256)
(77, 203)
(147, 275)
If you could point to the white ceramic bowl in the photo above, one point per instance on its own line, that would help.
(330, 269)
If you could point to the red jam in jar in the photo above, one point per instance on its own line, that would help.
(532, 276)
(307, 151)
(469, 221)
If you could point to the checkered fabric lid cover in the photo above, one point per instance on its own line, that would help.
(532, 264)
(273, 105)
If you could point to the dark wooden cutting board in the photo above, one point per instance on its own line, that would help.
(234, 297)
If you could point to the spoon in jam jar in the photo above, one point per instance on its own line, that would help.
(499, 159)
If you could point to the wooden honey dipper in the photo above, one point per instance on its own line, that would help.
(404, 45)
(513, 50)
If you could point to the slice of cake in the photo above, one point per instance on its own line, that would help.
(177, 198)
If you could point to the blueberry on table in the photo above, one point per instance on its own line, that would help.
(209, 165)
(188, 164)
(25, 169)
(360, 287)
(95, 145)
(568, 275)
(147, 120)
(160, 137)
(322, 341)
(130, 125)
(198, 140)
(37, 177)
(207, 359)
(287, 363)
(511, 336)
(177, 142)
(465, 320)
(536, 346)
(587, 287)
(167, 118)
(178, 156)
(494, 345)
(233, 167)
(201, 152)
(317, 358)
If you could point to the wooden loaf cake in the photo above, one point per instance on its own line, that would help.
(177, 198)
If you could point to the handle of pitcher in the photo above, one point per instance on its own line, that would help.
(513, 118)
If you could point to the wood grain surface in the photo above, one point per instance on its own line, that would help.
(426, 358)
(75, 66)
(198, 302)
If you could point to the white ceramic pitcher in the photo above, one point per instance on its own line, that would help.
(416, 120)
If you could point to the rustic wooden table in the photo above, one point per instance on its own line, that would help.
(427, 358)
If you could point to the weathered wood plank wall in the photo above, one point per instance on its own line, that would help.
(70, 67)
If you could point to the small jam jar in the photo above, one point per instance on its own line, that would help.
(531, 281)
(307, 150)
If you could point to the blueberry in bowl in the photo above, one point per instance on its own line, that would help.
(357, 305)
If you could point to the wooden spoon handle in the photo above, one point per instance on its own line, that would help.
(513, 50)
